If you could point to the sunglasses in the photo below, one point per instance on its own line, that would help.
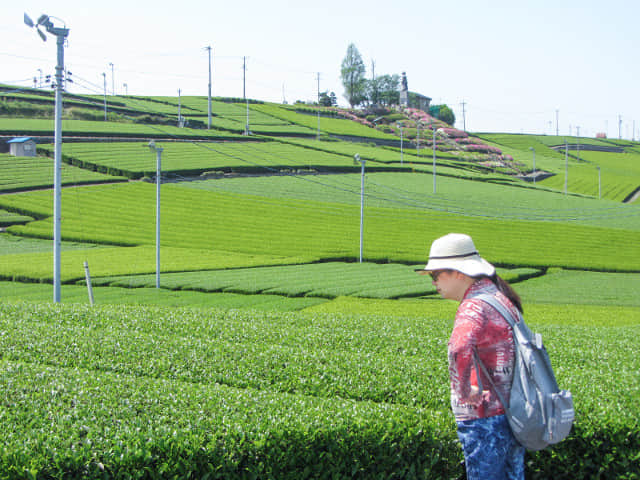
(436, 273)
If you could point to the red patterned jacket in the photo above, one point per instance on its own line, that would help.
(478, 325)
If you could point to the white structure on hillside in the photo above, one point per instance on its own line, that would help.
(22, 147)
(412, 99)
(404, 91)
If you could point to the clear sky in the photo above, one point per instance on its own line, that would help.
(512, 63)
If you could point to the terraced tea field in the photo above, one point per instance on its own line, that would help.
(283, 227)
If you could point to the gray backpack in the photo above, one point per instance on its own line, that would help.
(538, 412)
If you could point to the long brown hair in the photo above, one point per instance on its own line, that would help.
(506, 289)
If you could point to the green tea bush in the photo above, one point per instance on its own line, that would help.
(143, 392)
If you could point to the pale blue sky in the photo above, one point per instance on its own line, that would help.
(512, 63)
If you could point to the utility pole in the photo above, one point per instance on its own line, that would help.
(373, 82)
(619, 127)
(104, 75)
(566, 165)
(357, 159)
(247, 130)
(534, 164)
(633, 132)
(284, 99)
(126, 88)
(400, 126)
(158, 150)
(578, 142)
(464, 120)
(60, 34)
(318, 78)
(113, 81)
(557, 124)
(244, 76)
(179, 109)
(208, 48)
(433, 145)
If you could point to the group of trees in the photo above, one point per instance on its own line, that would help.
(381, 90)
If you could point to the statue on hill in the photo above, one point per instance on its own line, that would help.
(404, 91)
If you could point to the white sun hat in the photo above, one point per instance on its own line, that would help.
(456, 251)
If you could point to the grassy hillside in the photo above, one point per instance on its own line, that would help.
(284, 227)
(311, 365)
(25, 173)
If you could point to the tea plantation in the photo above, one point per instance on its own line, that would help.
(269, 351)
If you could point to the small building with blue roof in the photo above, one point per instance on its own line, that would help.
(22, 147)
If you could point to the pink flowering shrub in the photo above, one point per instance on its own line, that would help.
(350, 116)
(420, 116)
(483, 149)
(453, 132)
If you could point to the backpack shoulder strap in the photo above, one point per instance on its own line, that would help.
(508, 316)
(502, 310)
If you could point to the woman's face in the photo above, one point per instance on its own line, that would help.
(451, 284)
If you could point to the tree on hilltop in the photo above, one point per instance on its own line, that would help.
(353, 76)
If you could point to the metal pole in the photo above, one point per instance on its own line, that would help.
(247, 130)
(578, 143)
(104, 75)
(566, 165)
(179, 109)
(87, 277)
(113, 80)
(356, 159)
(361, 208)
(209, 91)
(318, 135)
(158, 182)
(57, 176)
(619, 127)
(434, 158)
(401, 147)
(534, 164)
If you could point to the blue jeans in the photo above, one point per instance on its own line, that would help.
(490, 449)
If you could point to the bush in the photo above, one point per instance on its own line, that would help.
(395, 117)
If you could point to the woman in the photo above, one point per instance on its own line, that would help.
(459, 273)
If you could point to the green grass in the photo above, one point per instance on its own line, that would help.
(37, 266)
(335, 126)
(368, 151)
(12, 244)
(328, 280)
(8, 218)
(135, 159)
(41, 293)
(577, 287)
(27, 126)
(537, 314)
(283, 227)
(620, 172)
(23, 173)
(156, 392)
(415, 191)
